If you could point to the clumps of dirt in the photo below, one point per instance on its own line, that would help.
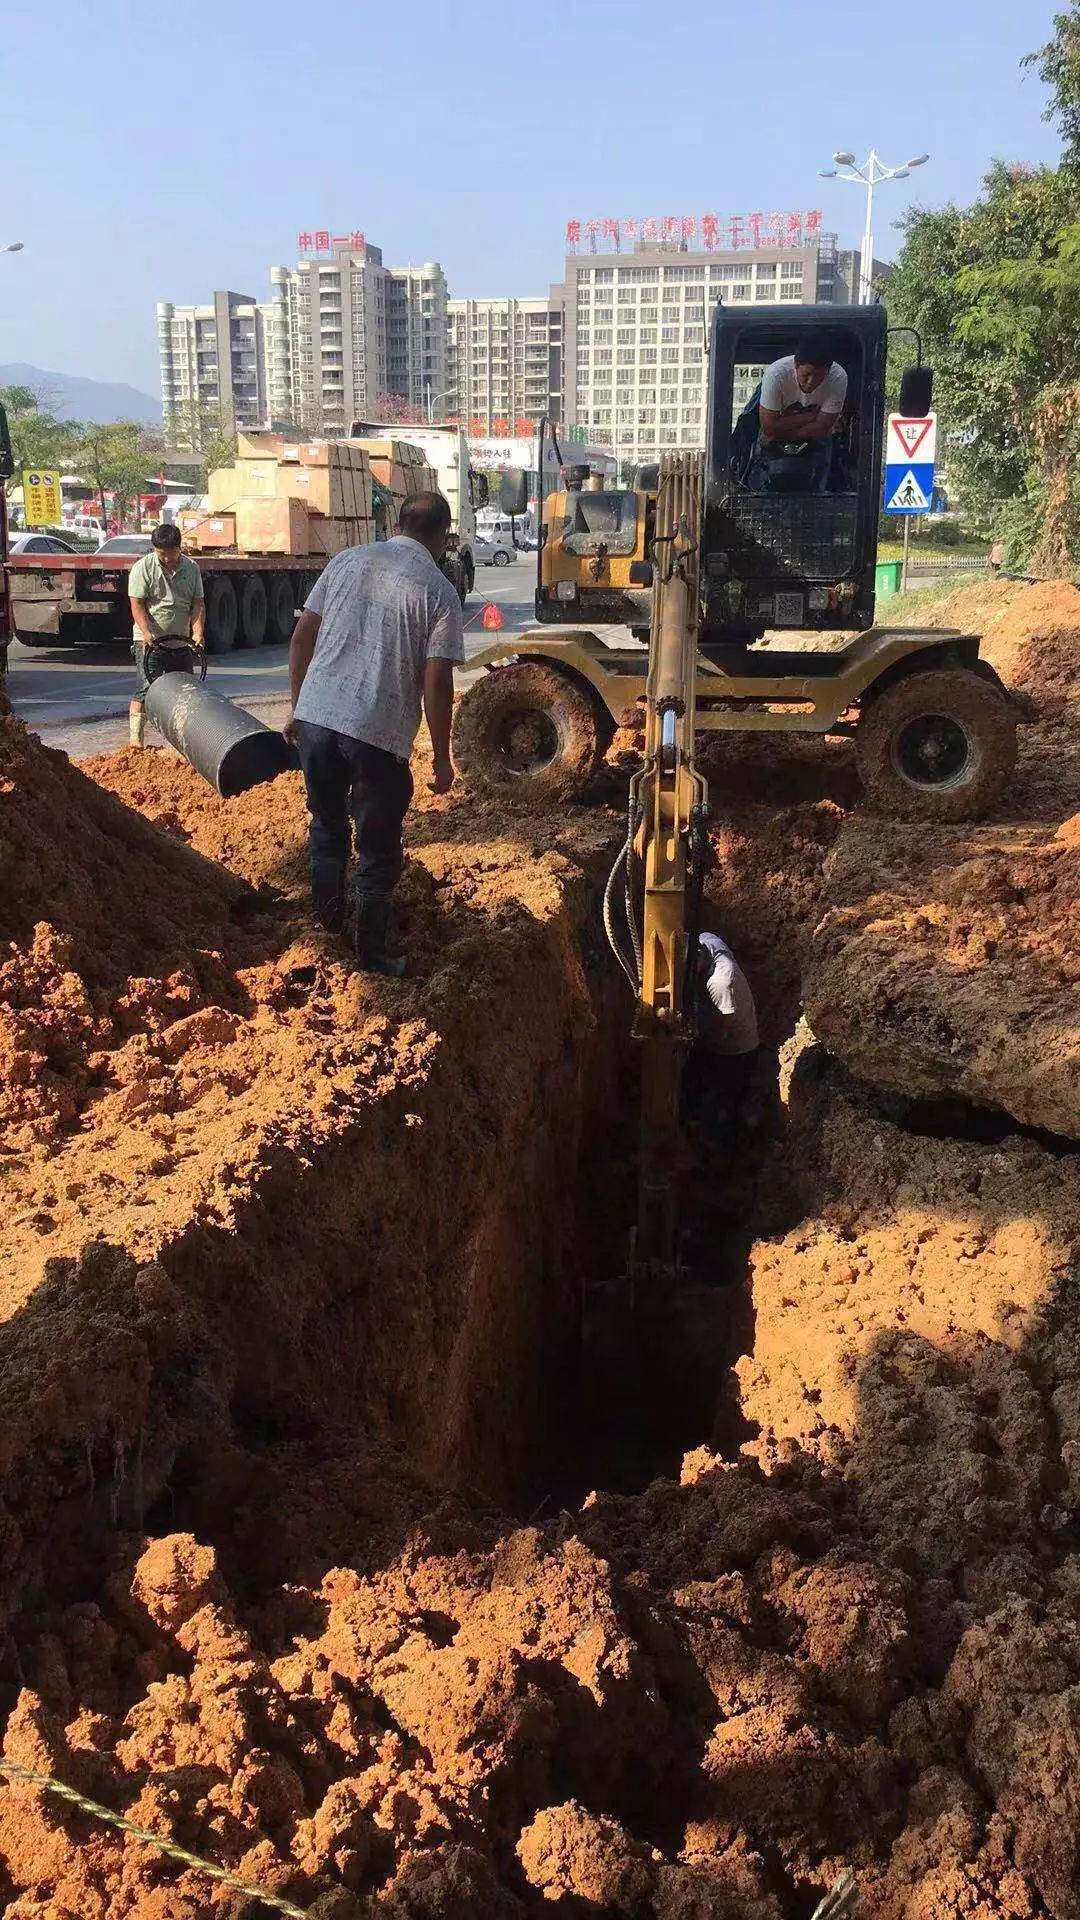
(949, 963)
(703, 1699)
(897, 1288)
(106, 930)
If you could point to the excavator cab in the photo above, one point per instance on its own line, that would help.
(593, 559)
(789, 537)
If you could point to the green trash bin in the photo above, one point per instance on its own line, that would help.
(887, 578)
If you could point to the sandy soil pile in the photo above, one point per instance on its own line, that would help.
(950, 963)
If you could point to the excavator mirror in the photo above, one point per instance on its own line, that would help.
(480, 488)
(916, 392)
(513, 492)
(7, 458)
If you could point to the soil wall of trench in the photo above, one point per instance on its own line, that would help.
(290, 1269)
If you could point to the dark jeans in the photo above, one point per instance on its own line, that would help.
(818, 457)
(179, 659)
(343, 778)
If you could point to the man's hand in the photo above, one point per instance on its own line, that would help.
(444, 776)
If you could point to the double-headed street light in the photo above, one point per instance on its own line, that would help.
(869, 175)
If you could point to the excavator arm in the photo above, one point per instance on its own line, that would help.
(664, 858)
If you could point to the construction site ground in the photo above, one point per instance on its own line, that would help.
(320, 1555)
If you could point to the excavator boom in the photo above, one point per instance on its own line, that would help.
(669, 803)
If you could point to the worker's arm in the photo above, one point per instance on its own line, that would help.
(301, 648)
(796, 425)
(140, 619)
(198, 624)
(438, 712)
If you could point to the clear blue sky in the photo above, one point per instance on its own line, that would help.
(159, 151)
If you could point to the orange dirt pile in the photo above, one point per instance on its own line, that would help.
(950, 963)
(270, 1618)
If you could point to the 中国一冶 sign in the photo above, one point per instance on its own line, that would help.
(41, 498)
(713, 231)
(321, 240)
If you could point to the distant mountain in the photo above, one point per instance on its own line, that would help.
(70, 397)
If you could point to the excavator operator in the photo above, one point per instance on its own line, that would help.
(802, 400)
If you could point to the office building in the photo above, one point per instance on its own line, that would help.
(214, 366)
(636, 330)
(504, 363)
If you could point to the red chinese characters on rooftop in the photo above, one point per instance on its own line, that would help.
(321, 240)
(711, 231)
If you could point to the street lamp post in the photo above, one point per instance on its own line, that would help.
(870, 175)
(448, 394)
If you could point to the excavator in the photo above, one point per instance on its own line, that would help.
(715, 561)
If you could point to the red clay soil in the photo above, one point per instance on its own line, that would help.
(950, 963)
(858, 1644)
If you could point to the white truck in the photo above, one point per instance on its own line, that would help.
(446, 450)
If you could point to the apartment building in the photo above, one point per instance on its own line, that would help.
(214, 365)
(504, 361)
(349, 331)
(635, 346)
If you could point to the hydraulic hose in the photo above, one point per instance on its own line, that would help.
(623, 859)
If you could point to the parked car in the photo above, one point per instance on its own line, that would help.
(40, 543)
(497, 552)
(126, 543)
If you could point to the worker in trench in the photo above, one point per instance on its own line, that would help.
(380, 633)
(168, 613)
(718, 1081)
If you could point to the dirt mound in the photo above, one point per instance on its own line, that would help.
(949, 965)
(901, 1264)
(108, 930)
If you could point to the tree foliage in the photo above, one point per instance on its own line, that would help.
(994, 289)
(37, 438)
(113, 460)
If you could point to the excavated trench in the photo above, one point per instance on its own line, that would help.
(303, 1565)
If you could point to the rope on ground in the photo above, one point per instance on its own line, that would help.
(169, 1847)
(840, 1898)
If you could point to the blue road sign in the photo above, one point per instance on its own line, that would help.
(909, 488)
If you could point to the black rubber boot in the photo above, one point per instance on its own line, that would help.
(371, 935)
(330, 913)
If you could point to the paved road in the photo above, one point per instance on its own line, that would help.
(77, 697)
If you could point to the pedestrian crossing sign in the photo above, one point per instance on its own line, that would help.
(909, 489)
(910, 446)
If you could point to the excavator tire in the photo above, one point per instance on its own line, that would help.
(528, 732)
(936, 745)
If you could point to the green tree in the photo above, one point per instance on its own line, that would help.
(200, 427)
(37, 438)
(994, 289)
(113, 460)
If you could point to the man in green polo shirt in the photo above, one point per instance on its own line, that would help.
(168, 612)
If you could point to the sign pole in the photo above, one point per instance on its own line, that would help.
(903, 570)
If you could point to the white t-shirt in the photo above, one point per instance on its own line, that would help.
(780, 389)
(727, 1015)
(386, 610)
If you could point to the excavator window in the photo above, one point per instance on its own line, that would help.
(601, 519)
(756, 469)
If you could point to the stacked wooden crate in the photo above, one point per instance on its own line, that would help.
(399, 467)
(299, 497)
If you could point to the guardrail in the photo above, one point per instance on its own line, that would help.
(947, 562)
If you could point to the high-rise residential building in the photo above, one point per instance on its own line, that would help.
(635, 347)
(213, 365)
(504, 363)
(348, 333)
